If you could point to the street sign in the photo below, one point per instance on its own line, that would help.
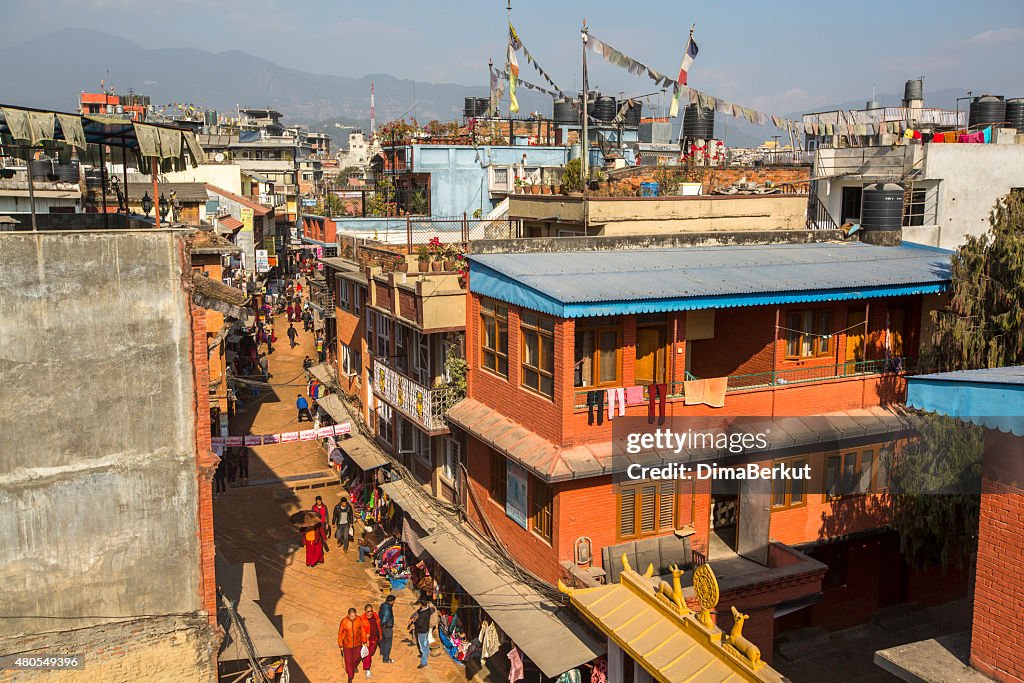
(262, 261)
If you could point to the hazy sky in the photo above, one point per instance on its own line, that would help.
(775, 56)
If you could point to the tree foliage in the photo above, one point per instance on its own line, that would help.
(936, 480)
(572, 179)
(983, 326)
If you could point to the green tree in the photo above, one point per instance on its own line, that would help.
(936, 480)
(330, 205)
(572, 179)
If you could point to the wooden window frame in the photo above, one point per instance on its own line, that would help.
(788, 503)
(498, 485)
(490, 310)
(541, 506)
(661, 525)
(595, 356)
(853, 488)
(821, 322)
(666, 349)
(525, 329)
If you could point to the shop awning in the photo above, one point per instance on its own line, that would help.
(405, 497)
(333, 406)
(363, 453)
(540, 626)
(323, 374)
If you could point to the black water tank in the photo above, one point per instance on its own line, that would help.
(881, 214)
(565, 112)
(1015, 113)
(469, 108)
(483, 105)
(698, 122)
(604, 108)
(41, 168)
(634, 114)
(987, 110)
(914, 90)
(68, 173)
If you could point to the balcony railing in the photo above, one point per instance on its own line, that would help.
(426, 407)
(782, 378)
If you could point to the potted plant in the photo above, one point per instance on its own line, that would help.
(545, 189)
(534, 188)
(462, 267)
(423, 256)
(519, 185)
(451, 255)
(402, 266)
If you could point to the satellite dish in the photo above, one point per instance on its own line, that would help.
(219, 157)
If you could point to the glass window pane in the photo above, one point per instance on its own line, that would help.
(529, 319)
(796, 495)
(502, 337)
(503, 366)
(530, 378)
(779, 493)
(608, 360)
(547, 385)
(583, 368)
(547, 354)
(530, 348)
(548, 324)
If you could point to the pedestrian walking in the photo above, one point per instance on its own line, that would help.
(231, 464)
(419, 626)
(292, 333)
(373, 636)
(314, 541)
(303, 407)
(243, 465)
(353, 639)
(343, 514)
(307, 321)
(321, 509)
(220, 477)
(271, 337)
(386, 614)
(265, 367)
(288, 310)
(320, 347)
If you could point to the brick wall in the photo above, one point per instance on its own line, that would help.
(385, 256)
(383, 299)
(350, 331)
(726, 176)
(742, 343)
(151, 649)
(407, 306)
(997, 640)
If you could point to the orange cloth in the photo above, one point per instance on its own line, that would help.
(353, 632)
(693, 392)
(949, 137)
(714, 391)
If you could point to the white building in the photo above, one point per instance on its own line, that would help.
(357, 153)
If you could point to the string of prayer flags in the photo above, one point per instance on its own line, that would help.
(517, 44)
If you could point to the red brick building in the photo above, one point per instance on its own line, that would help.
(773, 331)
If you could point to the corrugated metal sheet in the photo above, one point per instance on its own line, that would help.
(991, 398)
(1010, 375)
(628, 275)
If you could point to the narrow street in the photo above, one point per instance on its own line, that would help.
(251, 525)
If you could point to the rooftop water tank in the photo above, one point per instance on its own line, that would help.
(881, 215)
(565, 112)
(913, 90)
(483, 106)
(604, 108)
(1015, 113)
(698, 122)
(987, 110)
(634, 114)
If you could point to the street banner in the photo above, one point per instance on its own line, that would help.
(254, 441)
(325, 432)
(288, 437)
(307, 434)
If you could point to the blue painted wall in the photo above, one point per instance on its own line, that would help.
(458, 173)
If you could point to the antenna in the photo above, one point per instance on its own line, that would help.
(373, 113)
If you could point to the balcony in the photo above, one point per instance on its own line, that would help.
(425, 407)
(323, 300)
(778, 379)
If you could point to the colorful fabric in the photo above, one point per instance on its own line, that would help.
(987, 135)
(688, 56)
(513, 70)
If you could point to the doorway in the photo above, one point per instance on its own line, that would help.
(856, 336)
(725, 502)
(849, 211)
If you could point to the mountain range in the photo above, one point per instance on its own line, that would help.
(57, 66)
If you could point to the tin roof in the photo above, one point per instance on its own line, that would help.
(992, 398)
(586, 283)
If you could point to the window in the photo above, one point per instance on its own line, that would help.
(358, 299)
(540, 508)
(382, 327)
(499, 477)
(412, 441)
(344, 302)
(853, 472)
(369, 332)
(351, 363)
(646, 508)
(914, 209)
(494, 337)
(401, 362)
(538, 341)
(597, 359)
(385, 428)
(808, 334)
(450, 464)
(789, 493)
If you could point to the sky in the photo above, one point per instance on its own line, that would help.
(773, 56)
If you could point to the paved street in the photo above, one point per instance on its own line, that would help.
(251, 525)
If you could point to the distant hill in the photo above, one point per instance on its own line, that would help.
(57, 66)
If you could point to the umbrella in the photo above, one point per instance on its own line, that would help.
(305, 518)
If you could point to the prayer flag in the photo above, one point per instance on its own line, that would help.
(684, 68)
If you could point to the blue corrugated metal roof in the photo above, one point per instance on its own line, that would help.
(993, 398)
(579, 284)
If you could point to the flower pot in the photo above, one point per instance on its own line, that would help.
(424, 266)
(544, 189)
(462, 281)
(534, 189)
(435, 266)
(449, 266)
(403, 266)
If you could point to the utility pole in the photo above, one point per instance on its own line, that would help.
(585, 141)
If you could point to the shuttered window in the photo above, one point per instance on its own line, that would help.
(646, 508)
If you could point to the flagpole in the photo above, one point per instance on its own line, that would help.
(585, 142)
(678, 85)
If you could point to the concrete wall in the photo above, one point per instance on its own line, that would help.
(99, 501)
(973, 178)
(225, 176)
(458, 173)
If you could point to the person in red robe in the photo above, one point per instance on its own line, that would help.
(314, 540)
(373, 633)
(321, 509)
